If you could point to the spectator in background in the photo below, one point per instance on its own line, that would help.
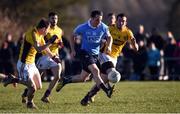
(159, 42)
(64, 54)
(139, 60)
(77, 66)
(6, 57)
(11, 45)
(20, 41)
(157, 39)
(169, 51)
(128, 54)
(153, 61)
(140, 35)
(177, 62)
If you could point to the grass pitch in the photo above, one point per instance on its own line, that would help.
(131, 97)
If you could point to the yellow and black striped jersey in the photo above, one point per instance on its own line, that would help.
(120, 37)
(27, 51)
(55, 46)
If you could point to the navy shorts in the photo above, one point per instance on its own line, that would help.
(105, 66)
(88, 59)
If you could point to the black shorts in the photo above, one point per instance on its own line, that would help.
(106, 66)
(88, 59)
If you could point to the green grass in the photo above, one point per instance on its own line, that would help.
(132, 97)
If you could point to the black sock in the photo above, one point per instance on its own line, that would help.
(104, 88)
(94, 91)
(47, 93)
(30, 94)
(25, 92)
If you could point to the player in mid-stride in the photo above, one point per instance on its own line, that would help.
(121, 34)
(92, 32)
(45, 62)
(28, 74)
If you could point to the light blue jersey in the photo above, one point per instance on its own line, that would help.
(92, 36)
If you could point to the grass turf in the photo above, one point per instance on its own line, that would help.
(131, 97)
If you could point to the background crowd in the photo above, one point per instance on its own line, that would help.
(158, 57)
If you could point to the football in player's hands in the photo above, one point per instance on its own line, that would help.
(53, 38)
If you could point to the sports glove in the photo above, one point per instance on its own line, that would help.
(56, 59)
(53, 38)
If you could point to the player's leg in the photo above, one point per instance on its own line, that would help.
(56, 70)
(72, 79)
(30, 94)
(106, 67)
(24, 95)
(97, 78)
(36, 81)
(94, 90)
(90, 63)
(26, 74)
(45, 62)
(9, 79)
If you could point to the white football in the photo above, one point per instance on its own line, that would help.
(114, 76)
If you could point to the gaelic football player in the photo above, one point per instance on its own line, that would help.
(121, 34)
(92, 32)
(46, 62)
(28, 73)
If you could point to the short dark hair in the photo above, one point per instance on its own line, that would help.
(94, 13)
(43, 23)
(52, 14)
(110, 14)
(121, 15)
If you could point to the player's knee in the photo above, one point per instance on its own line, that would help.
(95, 71)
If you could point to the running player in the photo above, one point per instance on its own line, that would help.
(121, 35)
(28, 74)
(92, 32)
(45, 62)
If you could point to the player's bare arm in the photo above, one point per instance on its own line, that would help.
(73, 53)
(40, 48)
(109, 44)
(134, 44)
